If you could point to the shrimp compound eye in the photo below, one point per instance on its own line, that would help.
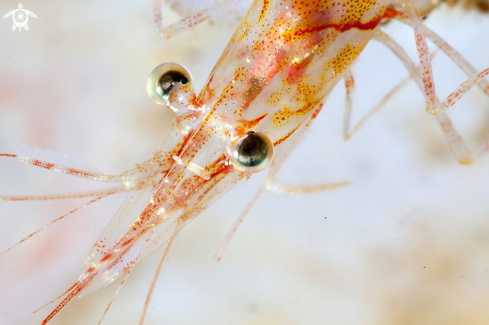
(252, 153)
(164, 78)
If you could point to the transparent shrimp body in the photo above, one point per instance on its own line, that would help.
(271, 80)
(281, 63)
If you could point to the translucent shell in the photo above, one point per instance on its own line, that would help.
(252, 153)
(169, 81)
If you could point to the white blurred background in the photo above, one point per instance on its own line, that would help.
(406, 243)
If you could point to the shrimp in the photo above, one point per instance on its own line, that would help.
(181, 164)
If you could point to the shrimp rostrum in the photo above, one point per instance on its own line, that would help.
(270, 83)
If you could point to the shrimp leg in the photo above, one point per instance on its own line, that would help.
(433, 106)
(453, 54)
(294, 189)
(224, 245)
(403, 83)
(349, 84)
(457, 145)
(281, 154)
(157, 13)
(350, 87)
(456, 57)
(212, 12)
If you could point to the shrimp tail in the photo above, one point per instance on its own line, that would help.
(75, 290)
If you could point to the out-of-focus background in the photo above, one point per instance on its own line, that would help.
(405, 243)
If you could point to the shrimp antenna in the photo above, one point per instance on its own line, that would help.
(77, 195)
(58, 162)
(107, 193)
(60, 296)
(127, 273)
(156, 277)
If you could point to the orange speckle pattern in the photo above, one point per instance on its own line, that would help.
(345, 58)
(282, 62)
(264, 9)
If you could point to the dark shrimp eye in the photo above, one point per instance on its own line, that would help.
(252, 153)
(164, 78)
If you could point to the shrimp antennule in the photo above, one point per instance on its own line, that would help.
(54, 221)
